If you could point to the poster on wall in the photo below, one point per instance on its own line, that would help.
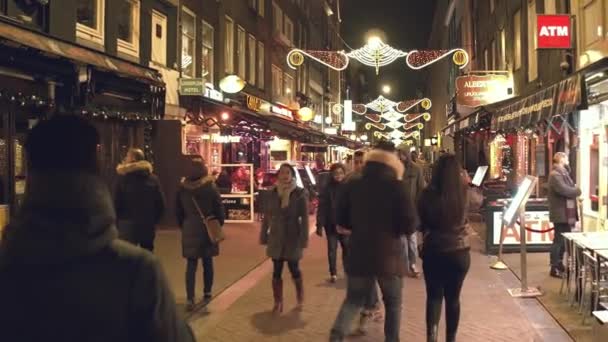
(235, 183)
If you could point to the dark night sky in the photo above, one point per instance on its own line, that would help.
(406, 24)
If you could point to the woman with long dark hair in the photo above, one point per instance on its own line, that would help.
(443, 208)
(285, 232)
(326, 218)
(198, 195)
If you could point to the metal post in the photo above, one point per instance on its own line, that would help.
(523, 250)
(499, 264)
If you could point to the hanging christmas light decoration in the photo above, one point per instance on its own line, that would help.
(359, 109)
(376, 54)
(423, 58)
(404, 106)
(370, 125)
(373, 117)
(417, 126)
(394, 124)
(392, 116)
(381, 104)
(416, 116)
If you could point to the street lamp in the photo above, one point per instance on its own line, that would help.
(386, 89)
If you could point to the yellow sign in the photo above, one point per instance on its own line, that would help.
(296, 59)
(254, 103)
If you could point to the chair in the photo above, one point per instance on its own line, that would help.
(570, 267)
(592, 275)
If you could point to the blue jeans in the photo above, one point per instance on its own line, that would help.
(357, 291)
(410, 247)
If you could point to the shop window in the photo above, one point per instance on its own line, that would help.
(159, 38)
(278, 155)
(252, 54)
(517, 40)
(208, 41)
(241, 53)
(261, 65)
(229, 48)
(90, 20)
(594, 172)
(532, 42)
(128, 27)
(188, 42)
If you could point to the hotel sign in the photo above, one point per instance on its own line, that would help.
(475, 91)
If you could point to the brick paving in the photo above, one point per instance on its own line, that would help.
(488, 312)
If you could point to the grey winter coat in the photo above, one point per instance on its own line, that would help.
(413, 182)
(60, 257)
(285, 230)
(561, 188)
(195, 240)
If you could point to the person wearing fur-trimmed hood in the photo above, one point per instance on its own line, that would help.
(198, 195)
(138, 199)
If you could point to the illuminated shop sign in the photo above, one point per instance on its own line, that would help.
(282, 111)
(254, 103)
(221, 139)
(213, 94)
(554, 32)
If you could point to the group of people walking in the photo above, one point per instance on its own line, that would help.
(373, 213)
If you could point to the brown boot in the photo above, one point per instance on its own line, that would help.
(299, 291)
(277, 292)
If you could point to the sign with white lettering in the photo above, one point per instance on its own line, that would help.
(475, 91)
(213, 94)
(537, 220)
(554, 32)
(282, 112)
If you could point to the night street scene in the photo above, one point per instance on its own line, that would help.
(303, 170)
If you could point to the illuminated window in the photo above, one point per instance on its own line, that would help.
(208, 41)
(261, 65)
(277, 83)
(159, 38)
(289, 90)
(90, 20)
(241, 40)
(252, 54)
(188, 42)
(532, 42)
(517, 40)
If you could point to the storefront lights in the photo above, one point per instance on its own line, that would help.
(364, 137)
(328, 120)
(225, 116)
(232, 84)
(306, 114)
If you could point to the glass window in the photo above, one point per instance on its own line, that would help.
(208, 41)
(128, 27)
(261, 65)
(252, 54)
(550, 7)
(592, 19)
(486, 60)
(188, 42)
(594, 172)
(229, 49)
(277, 83)
(289, 85)
(277, 17)
(492, 6)
(503, 50)
(159, 38)
(241, 54)
(517, 40)
(289, 29)
(89, 20)
(532, 42)
(261, 8)
(494, 55)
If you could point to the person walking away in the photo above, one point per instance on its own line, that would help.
(285, 233)
(198, 194)
(413, 181)
(563, 211)
(443, 208)
(377, 212)
(138, 199)
(326, 219)
(65, 275)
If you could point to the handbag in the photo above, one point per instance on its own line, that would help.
(214, 228)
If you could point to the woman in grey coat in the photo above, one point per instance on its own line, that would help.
(198, 189)
(285, 232)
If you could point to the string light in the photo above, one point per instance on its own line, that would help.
(421, 59)
(376, 54)
(404, 106)
(337, 60)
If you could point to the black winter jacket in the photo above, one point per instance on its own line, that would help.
(65, 277)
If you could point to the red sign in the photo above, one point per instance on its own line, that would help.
(554, 32)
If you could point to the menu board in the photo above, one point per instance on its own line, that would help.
(235, 182)
(523, 192)
(479, 175)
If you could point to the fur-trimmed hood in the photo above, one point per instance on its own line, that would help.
(387, 158)
(138, 166)
(192, 184)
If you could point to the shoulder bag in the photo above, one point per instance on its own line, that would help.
(214, 228)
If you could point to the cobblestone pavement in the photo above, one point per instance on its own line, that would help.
(242, 313)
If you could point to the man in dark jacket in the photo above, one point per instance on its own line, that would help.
(563, 211)
(138, 199)
(413, 182)
(65, 276)
(376, 210)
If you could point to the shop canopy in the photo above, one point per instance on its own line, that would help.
(558, 99)
(78, 54)
(462, 123)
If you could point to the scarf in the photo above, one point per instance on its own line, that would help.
(284, 190)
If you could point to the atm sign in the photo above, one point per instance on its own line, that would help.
(554, 32)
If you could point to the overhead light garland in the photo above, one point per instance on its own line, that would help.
(416, 116)
(404, 106)
(376, 54)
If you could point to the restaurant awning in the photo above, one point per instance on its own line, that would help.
(462, 123)
(558, 99)
(76, 53)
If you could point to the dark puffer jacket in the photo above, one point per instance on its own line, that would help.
(326, 213)
(377, 209)
(65, 277)
(195, 240)
(138, 200)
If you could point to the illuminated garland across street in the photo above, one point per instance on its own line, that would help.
(377, 54)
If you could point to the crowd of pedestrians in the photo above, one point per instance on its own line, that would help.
(61, 254)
